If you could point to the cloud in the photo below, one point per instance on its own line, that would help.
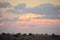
(29, 16)
(48, 9)
(5, 4)
(0, 14)
(20, 6)
(13, 11)
(49, 17)
(40, 21)
(2, 24)
(10, 16)
(16, 11)
(51, 11)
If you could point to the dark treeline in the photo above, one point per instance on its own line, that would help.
(30, 36)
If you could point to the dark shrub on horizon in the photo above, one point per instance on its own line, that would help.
(30, 36)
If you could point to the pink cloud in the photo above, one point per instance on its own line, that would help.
(40, 21)
(21, 25)
(2, 24)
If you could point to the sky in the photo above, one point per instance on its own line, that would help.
(30, 16)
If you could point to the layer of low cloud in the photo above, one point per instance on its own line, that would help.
(14, 27)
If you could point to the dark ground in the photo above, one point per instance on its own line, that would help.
(30, 36)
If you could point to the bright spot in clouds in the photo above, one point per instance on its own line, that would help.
(30, 16)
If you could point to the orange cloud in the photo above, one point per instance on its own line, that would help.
(29, 16)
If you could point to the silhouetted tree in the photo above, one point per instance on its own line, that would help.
(24, 34)
(3, 33)
(30, 34)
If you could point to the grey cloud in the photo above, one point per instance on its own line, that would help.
(47, 9)
(51, 11)
(49, 17)
(20, 6)
(9, 20)
(5, 4)
(13, 11)
(0, 14)
(1, 17)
